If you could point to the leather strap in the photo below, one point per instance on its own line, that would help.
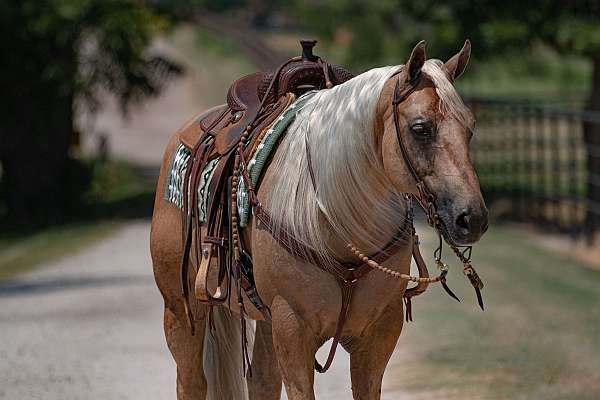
(400, 94)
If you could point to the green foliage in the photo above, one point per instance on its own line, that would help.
(82, 46)
(493, 26)
(184, 9)
(116, 180)
(57, 55)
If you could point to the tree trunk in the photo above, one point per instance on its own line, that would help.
(35, 159)
(592, 140)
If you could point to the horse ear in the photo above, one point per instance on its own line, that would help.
(416, 60)
(457, 64)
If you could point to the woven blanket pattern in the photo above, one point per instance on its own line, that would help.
(174, 186)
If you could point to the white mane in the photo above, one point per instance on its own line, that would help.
(354, 196)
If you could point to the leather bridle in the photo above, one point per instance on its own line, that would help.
(426, 198)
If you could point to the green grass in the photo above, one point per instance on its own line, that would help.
(118, 191)
(539, 337)
(22, 253)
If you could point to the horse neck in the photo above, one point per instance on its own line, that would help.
(357, 201)
(354, 200)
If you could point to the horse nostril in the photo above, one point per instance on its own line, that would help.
(463, 220)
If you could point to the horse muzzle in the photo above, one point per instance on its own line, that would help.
(464, 225)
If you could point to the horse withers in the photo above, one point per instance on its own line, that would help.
(340, 175)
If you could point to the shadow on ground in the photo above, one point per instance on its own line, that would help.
(19, 287)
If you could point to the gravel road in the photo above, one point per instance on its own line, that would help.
(87, 327)
(90, 327)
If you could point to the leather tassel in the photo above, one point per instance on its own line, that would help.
(449, 291)
(246, 365)
(408, 304)
(479, 298)
(475, 280)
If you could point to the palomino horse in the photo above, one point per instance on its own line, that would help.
(356, 194)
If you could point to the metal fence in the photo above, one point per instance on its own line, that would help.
(539, 164)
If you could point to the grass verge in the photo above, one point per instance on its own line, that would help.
(539, 337)
(19, 254)
(118, 191)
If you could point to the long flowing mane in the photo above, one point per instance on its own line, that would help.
(353, 198)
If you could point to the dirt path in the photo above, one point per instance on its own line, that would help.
(90, 327)
(87, 327)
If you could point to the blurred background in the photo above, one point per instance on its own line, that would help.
(92, 90)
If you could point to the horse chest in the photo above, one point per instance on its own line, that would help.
(315, 294)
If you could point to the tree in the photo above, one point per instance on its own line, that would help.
(378, 27)
(58, 54)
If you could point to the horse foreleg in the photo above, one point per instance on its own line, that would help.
(295, 348)
(370, 353)
(265, 382)
(187, 353)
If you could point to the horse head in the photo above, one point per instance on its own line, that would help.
(424, 134)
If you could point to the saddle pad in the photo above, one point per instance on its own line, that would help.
(174, 185)
(263, 150)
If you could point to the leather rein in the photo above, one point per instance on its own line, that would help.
(347, 274)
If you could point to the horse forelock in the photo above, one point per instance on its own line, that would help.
(451, 104)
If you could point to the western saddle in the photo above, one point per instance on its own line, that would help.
(253, 103)
(229, 134)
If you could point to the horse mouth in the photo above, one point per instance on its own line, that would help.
(456, 237)
(453, 237)
(448, 237)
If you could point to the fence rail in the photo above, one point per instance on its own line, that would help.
(539, 164)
